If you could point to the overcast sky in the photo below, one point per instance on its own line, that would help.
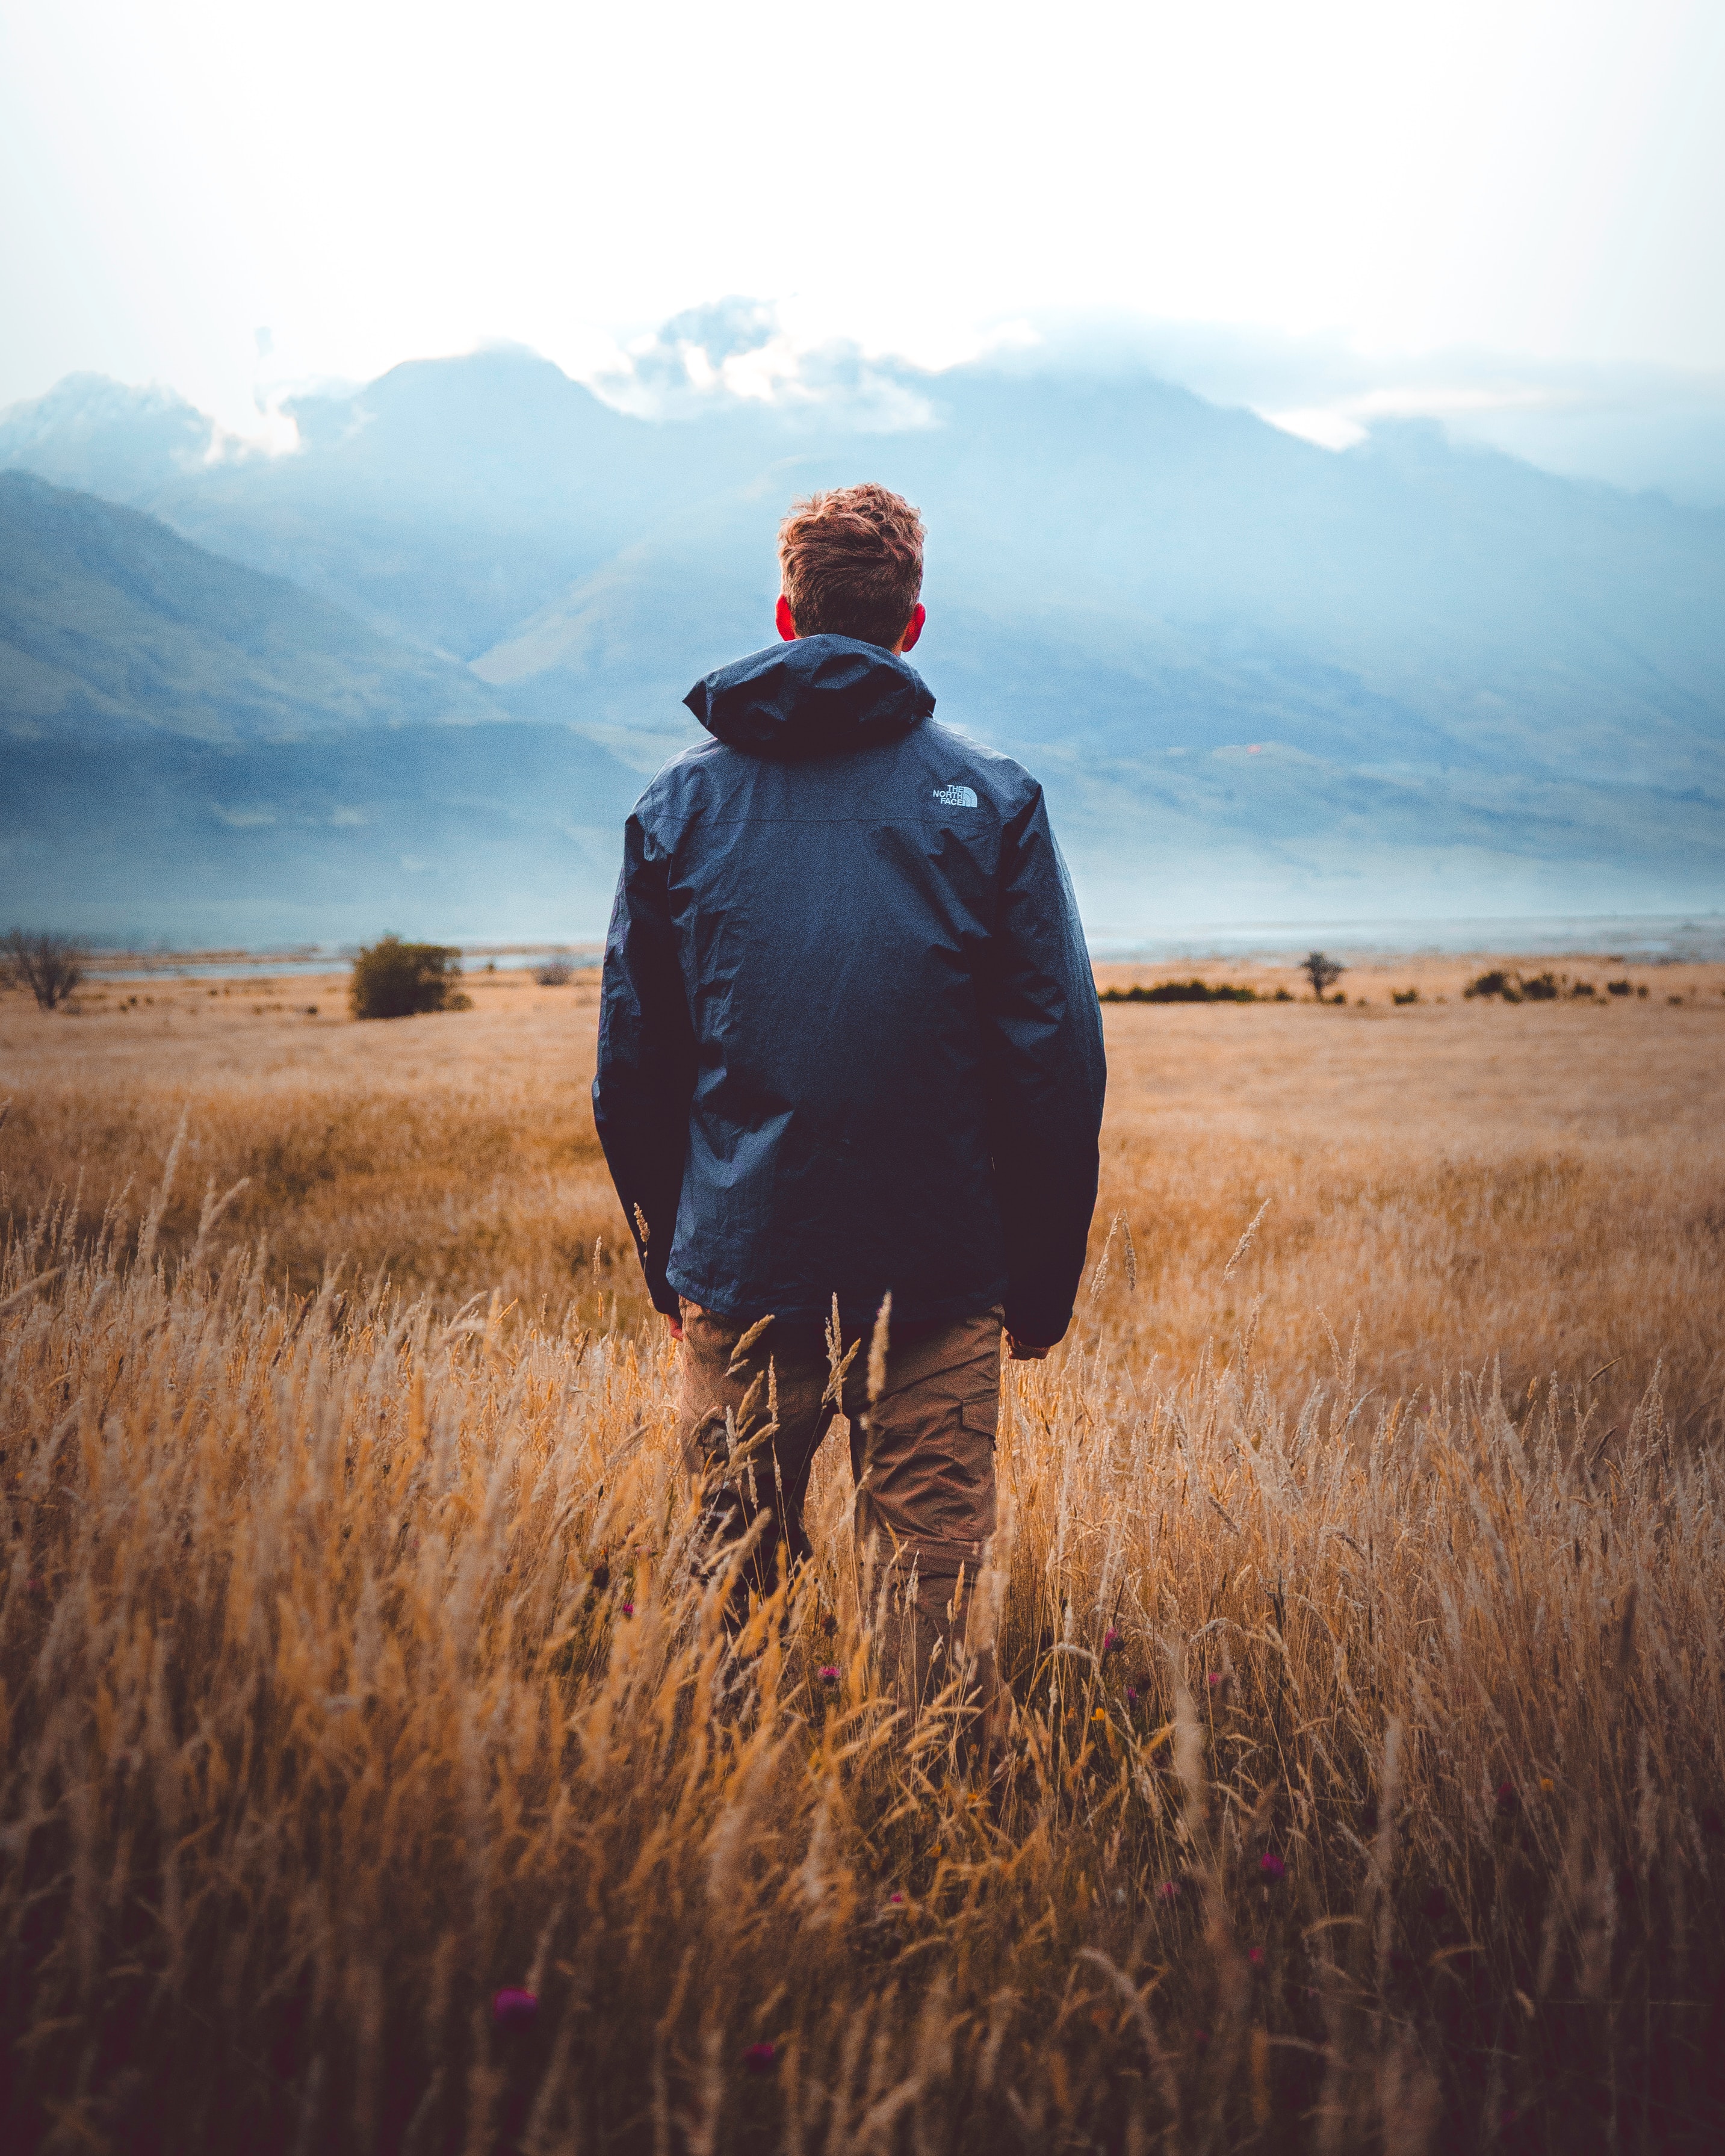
(1423, 200)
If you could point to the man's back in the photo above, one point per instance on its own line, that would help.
(849, 1040)
(849, 1046)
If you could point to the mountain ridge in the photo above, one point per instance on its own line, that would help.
(109, 618)
(1230, 655)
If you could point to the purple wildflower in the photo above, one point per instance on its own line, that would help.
(629, 1610)
(1112, 1643)
(760, 2058)
(1509, 1801)
(514, 2009)
(1271, 1867)
(829, 1674)
(1256, 1957)
(1131, 1695)
(1216, 1678)
(1169, 1890)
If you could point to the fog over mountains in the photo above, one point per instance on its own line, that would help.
(413, 674)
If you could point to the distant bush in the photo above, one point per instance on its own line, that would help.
(1404, 995)
(1540, 988)
(393, 979)
(1322, 972)
(555, 973)
(1180, 992)
(50, 966)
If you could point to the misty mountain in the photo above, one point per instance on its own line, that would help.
(443, 504)
(110, 621)
(1259, 678)
(190, 749)
(507, 830)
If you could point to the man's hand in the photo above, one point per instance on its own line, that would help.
(1022, 1351)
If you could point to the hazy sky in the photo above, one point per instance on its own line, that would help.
(231, 198)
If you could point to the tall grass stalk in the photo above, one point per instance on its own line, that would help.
(1361, 1790)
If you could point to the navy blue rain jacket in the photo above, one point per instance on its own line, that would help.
(848, 1037)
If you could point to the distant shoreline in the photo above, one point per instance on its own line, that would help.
(1641, 939)
(272, 964)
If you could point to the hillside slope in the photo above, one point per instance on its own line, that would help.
(1259, 678)
(110, 621)
(457, 832)
(191, 750)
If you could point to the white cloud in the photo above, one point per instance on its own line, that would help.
(393, 180)
(1314, 423)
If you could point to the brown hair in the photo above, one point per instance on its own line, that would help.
(851, 560)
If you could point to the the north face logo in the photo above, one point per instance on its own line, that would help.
(956, 796)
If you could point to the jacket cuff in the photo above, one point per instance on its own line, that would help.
(1037, 1324)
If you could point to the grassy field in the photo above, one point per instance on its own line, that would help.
(1360, 1593)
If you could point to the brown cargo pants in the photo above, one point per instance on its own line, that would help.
(922, 1457)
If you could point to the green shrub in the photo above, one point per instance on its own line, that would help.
(1496, 984)
(1179, 992)
(1407, 995)
(393, 979)
(50, 966)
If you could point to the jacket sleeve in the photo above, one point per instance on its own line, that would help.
(645, 1079)
(1043, 1033)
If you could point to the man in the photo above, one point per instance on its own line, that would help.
(849, 1050)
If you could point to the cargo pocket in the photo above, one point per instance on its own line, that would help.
(980, 1421)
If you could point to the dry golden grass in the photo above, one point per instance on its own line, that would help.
(1541, 1186)
(350, 1666)
(452, 1153)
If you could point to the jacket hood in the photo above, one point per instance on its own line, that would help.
(819, 697)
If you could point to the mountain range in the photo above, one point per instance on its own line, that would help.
(1261, 679)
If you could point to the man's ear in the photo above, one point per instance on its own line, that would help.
(786, 625)
(913, 626)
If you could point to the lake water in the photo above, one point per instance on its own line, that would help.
(1645, 939)
(260, 966)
